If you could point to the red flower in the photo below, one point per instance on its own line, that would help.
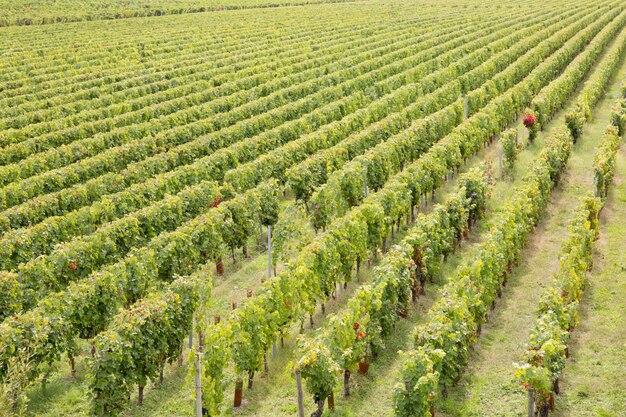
(529, 120)
(356, 326)
(217, 201)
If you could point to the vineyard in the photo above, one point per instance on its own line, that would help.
(312, 207)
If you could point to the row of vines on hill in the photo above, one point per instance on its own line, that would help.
(101, 214)
(545, 358)
(353, 336)
(317, 272)
(442, 344)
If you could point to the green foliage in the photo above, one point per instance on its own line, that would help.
(128, 188)
(420, 382)
(451, 329)
(312, 173)
(604, 161)
(44, 12)
(78, 258)
(318, 370)
(250, 330)
(537, 378)
(395, 199)
(138, 343)
(215, 356)
(463, 138)
(594, 87)
(13, 386)
(544, 359)
(86, 306)
(288, 235)
(574, 121)
(351, 335)
(198, 148)
(12, 295)
(269, 202)
(553, 96)
(240, 219)
(618, 116)
(454, 319)
(509, 147)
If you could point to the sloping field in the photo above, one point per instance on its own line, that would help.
(371, 208)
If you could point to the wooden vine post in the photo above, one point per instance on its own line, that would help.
(198, 384)
(300, 394)
(331, 401)
(346, 383)
(238, 393)
(219, 266)
(238, 382)
(269, 252)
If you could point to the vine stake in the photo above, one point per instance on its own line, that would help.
(300, 394)
(198, 384)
